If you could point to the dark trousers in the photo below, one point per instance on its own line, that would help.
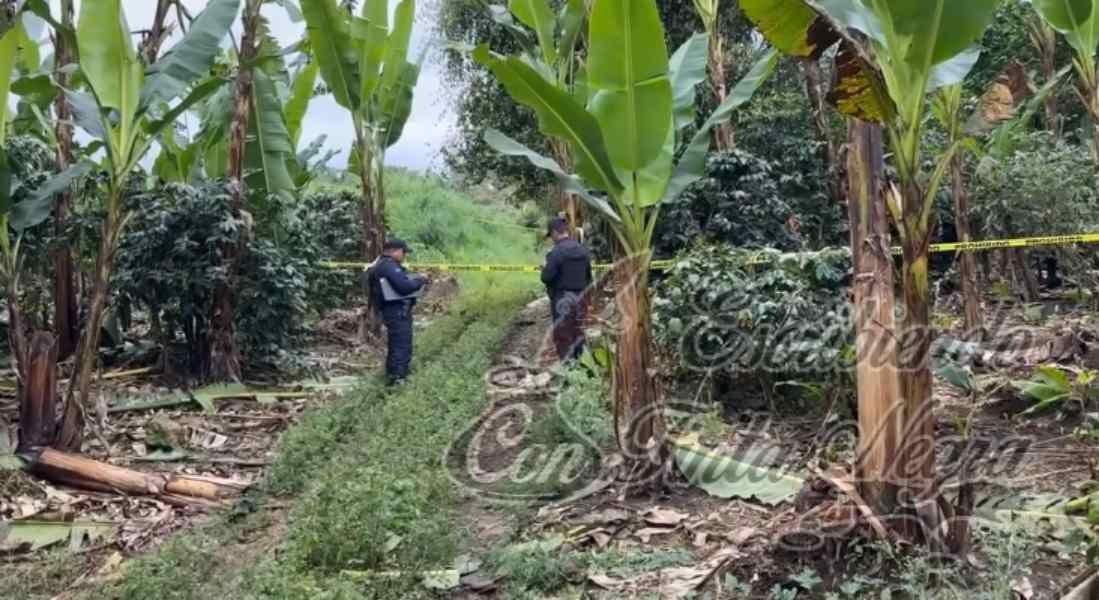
(398, 327)
(568, 311)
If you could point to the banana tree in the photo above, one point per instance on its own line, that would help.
(35, 203)
(708, 12)
(1043, 38)
(624, 133)
(364, 62)
(892, 54)
(276, 107)
(997, 112)
(947, 108)
(125, 112)
(1078, 22)
(65, 305)
(551, 50)
(257, 110)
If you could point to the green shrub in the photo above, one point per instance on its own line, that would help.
(760, 314)
(172, 262)
(740, 203)
(308, 445)
(581, 413)
(363, 518)
(182, 569)
(1062, 175)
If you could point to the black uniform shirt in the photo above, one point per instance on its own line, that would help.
(392, 271)
(568, 267)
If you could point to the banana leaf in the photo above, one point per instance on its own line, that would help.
(110, 65)
(537, 15)
(9, 49)
(688, 69)
(559, 115)
(330, 39)
(628, 78)
(191, 58)
(374, 41)
(270, 147)
(399, 104)
(300, 94)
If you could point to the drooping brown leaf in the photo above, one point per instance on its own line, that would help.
(1002, 99)
(791, 26)
(858, 89)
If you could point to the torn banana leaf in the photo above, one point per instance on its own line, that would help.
(726, 477)
(29, 536)
(10, 462)
(1040, 515)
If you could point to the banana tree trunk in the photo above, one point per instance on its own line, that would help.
(916, 466)
(78, 397)
(373, 198)
(66, 313)
(150, 47)
(37, 395)
(1026, 282)
(814, 90)
(967, 261)
(1048, 53)
(224, 355)
(880, 412)
(17, 336)
(723, 134)
(1089, 92)
(372, 214)
(638, 412)
(569, 206)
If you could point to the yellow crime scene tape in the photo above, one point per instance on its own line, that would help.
(663, 265)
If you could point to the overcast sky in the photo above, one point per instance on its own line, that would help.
(426, 129)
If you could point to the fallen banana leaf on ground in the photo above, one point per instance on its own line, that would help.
(335, 384)
(29, 536)
(152, 404)
(11, 462)
(726, 477)
(1042, 515)
(129, 373)
(671, 582)
(208, 396)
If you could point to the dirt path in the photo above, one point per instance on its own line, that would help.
(517, 384)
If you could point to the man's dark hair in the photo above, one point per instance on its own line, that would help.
(395, 244)
(557, 225)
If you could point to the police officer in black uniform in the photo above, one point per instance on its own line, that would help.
(396, 310)
(567, 274)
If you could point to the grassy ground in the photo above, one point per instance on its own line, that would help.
(358, 485)
(366, 483)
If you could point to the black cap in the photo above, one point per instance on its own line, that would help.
(395, 244)
(556, 225)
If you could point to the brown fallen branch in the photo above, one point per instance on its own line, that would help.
(81, 472)
(38, 431)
